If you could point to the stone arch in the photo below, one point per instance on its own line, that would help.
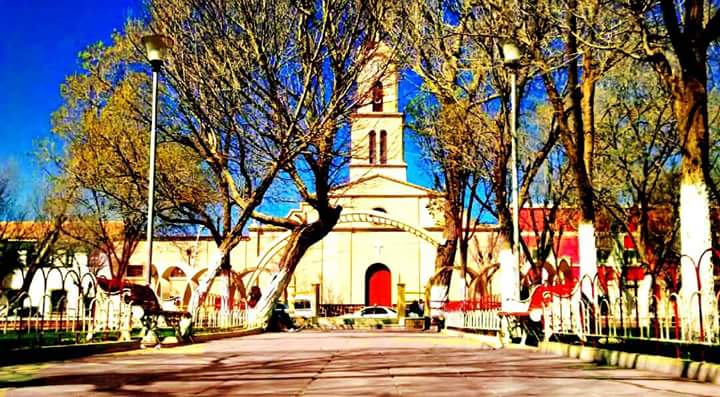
(367, 216)
(243, 285)
(172, 284)
(564, 272)
(196, 276)
(167, 271)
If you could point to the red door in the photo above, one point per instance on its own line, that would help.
(378, 286)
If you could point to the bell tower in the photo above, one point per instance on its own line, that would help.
(377, 126)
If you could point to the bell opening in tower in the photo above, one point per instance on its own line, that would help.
(377, 97)
(383, 147)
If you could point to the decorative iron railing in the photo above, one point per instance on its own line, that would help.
(670, 318)
(65, 306)
(634, 311)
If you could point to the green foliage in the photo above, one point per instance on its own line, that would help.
(104, 128)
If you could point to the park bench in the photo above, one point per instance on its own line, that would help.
(527, 316)
(144, 297)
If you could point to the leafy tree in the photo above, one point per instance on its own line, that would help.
(639, 159)
(463, 118)
(102, 164)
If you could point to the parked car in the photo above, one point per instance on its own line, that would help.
(373, 312)
(303, 306)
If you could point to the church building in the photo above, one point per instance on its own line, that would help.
(387, 234)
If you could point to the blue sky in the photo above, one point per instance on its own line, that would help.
(39, 43)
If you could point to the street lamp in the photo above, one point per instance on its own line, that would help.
(511, 56)
(156, 47)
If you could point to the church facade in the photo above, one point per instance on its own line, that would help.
(387, 234)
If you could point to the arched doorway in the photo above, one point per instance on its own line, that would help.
(378, 288)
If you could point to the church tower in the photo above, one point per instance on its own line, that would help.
(377, 126)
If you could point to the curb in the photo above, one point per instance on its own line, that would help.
(201, 338)
(491, 340)
(66, 352)
(675, 367)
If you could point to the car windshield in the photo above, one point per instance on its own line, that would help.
(302, 304)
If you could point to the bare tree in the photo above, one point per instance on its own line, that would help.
(555, 35)
(638, 156)
(262, 91)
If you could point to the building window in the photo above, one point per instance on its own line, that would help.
(135, 270)
(377, 97)
(176, 272)
(383, 147)
(371, 146)
(302, 304)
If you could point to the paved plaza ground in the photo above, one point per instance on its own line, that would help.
(349, 363)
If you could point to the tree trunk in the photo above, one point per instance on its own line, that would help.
(301, 239)
(226, 264)
(464, 246)
(585, 133)
(509, 270)
(480, 287)
(690, 100)
(438, 288)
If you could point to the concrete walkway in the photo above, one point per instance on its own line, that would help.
(349, 363)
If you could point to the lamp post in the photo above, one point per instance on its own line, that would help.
(156, 47)
(511, 55)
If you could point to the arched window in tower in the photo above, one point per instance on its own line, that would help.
(377, 97)
(383, 147)
(371, 147)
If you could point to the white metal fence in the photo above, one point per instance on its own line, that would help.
(476, 315)
(64, 306)
(671, 318)
(478, 320)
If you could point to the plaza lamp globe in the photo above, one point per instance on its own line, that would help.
(511, 54)
(156, 48)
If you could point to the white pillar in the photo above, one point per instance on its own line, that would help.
(588, 257)
(225, 290)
